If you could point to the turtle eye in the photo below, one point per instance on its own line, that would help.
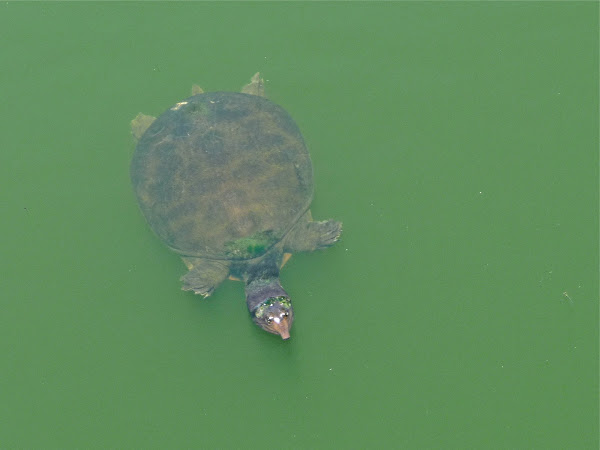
(285, 314)
(269, 319)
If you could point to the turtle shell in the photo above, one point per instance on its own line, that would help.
(222, 175)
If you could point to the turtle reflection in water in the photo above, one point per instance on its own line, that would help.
(225, 180)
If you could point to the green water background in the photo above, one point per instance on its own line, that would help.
(457, 142)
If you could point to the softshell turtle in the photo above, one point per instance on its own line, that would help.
(226, 181)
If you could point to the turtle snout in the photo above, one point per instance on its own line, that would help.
(282, 326)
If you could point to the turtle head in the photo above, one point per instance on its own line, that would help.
(269, 305)
(275, 315)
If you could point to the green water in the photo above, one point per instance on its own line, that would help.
(457, 142)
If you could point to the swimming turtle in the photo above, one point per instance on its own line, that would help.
(226, 181)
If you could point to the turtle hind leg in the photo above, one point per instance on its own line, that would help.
(140, 124)
(197, 89)
(307, 235)
(204, 275)
(256, 86)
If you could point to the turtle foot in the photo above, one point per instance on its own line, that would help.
(199, 286)
(329, 232)
(309, 236)
(197, 89)
(140, 124)
(204, 275)
(256, 86)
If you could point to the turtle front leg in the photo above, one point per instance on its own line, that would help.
(307, 235)
(204, 275)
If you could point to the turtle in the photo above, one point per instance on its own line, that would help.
(225, 180)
